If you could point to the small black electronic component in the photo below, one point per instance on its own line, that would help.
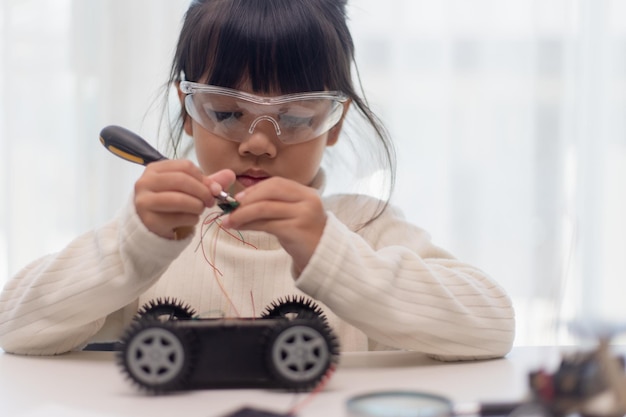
(255, 412)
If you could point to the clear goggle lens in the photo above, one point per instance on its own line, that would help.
(234, 115)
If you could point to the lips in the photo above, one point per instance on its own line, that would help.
(252, 177)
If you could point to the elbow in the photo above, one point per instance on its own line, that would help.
(19, 346)
(23, 341)
(480, 342)
(476, 338)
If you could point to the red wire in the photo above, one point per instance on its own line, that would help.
(209, 220)
(306, 400)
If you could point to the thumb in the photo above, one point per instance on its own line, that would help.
(220, 180)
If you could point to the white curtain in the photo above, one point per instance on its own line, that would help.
(69, 68)
(508, 115)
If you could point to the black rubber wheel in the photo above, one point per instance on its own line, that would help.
(300, 352)
(293, 307)
(157, 356)
(166, 309)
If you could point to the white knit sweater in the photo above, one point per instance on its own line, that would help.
(383, 286)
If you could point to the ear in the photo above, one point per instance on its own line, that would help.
(333, 133)
(187, 125)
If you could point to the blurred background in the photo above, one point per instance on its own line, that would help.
(509, 118)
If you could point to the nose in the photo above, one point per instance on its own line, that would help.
(263, 138)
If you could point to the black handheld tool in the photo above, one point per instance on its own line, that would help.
(129, 145)
(132, 147)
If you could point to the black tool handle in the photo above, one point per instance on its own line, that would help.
(128, 145)
(499, 409)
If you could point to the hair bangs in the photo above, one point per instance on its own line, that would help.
(273, 47)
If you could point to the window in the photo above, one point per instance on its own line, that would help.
(508, 117)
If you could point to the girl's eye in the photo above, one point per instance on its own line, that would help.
(291, 121)
(222, 116)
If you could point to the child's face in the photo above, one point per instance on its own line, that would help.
(261, 154)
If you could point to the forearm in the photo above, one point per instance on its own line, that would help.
(58, 302)
(438, 306)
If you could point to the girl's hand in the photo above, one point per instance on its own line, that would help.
(290, 211)
(171, 195)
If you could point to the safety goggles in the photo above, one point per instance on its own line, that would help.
(234, 115)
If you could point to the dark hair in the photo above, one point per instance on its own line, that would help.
(278, 46)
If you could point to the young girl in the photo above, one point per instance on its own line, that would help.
(265, 87)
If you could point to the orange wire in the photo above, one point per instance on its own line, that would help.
(323, 382)
(252, 301)
(217, 278)
(215, 219)
(209, 221)
(238, 238)
(203, 232)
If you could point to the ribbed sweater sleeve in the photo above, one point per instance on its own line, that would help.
(384, 285)
(391, 282)
(58, 302)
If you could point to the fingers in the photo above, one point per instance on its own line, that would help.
(275, 206)
(275, 189)
(171, 195)
(219, 181)
(292, 212)
(176, 175)
(170, 225)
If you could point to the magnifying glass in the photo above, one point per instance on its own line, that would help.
(421, 404)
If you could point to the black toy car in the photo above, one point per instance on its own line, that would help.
(167, 348)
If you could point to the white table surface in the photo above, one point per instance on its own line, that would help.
(90, 384)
